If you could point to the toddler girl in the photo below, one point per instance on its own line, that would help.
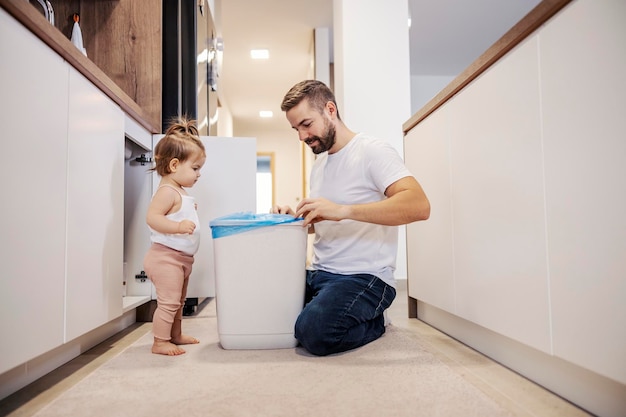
(175, 234)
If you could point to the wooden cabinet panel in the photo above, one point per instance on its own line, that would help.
(123, 38)
(583, 67)
(430, 257)
(95, 208)
(33, 81)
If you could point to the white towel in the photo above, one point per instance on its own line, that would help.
(77, 38)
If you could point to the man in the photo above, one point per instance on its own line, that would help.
(360, 190)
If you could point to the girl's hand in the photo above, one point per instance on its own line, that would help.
(186, 227)
(282, 210)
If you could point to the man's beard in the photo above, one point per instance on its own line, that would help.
(325, 142)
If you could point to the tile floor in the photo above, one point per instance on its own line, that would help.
(507, 388)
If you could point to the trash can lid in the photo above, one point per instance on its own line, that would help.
(244, 221)
(252, 219)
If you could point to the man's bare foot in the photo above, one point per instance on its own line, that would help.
(183, 339)
(166, 347)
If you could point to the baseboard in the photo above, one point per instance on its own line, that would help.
(146, 311)
(588, 390)
(28, 372)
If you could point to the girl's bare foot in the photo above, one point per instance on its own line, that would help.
(166, 347)
(183, 339)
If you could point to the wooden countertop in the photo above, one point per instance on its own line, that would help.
(532, 21)
(36, 23)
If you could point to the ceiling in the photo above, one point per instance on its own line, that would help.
(445, 37)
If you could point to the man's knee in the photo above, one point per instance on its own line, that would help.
(316, 344)
(314, 334)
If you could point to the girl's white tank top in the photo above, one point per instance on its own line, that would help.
(186, 243)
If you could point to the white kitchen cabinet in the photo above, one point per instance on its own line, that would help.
(482, 254)
(95, 208)
(500, 259)
(227, 185)
(137, 196)
(583, 93)
(33, 117)
(430, 244)
(525, 169)
(63, 211)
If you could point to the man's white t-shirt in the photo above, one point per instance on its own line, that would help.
(359, 173)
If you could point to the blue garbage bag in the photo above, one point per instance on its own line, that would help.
(244, 221)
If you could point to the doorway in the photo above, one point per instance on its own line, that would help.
(265, 199)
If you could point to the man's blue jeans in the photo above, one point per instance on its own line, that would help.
(342, 312)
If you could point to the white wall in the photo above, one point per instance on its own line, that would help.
(425, 87)
(372, 82)
(224, 122)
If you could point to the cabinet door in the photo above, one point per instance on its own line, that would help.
(33, 82)
(583, 69)
(498, 204)
(430, 259)
(95, 208)
(137, 196)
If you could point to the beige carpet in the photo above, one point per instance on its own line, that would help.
(393, 376)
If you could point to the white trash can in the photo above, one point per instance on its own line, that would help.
(260, 279)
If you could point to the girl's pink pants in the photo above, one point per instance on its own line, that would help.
(169, 271)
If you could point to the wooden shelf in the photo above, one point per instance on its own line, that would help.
(123, 41)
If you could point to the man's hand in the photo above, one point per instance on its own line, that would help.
(314, 210)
